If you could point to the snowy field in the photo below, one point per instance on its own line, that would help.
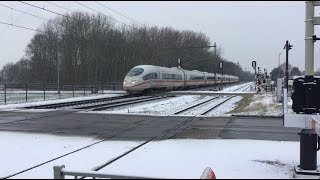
(259, 104)
(41, 102)
(186, 158)
(172, 105)
(262, 105)
(14, 97)
(161, 159)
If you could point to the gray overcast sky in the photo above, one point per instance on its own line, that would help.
(245, 30)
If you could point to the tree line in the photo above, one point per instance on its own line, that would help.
(279, 72)
(83, 48)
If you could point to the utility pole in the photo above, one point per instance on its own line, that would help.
(254, 65)
(215, 55)
(58, 71)
(279, 59)
(58, 76)
(287, 47)
(164, 52)
(238, 72)
(221, 67)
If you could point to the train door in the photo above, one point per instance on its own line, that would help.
(163, 77)
(157, 80)
(184, 78)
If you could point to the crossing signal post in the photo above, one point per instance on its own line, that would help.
(221, 67)
(306, 98)
(287, 47)
(254, 65)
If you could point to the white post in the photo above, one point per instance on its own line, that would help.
(279, 58)
(279, 90)
(285, 101)
(309, 45)
(58, 172)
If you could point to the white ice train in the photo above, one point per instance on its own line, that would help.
(144, 78)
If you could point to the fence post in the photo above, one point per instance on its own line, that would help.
(26, 92)
(5, 93)
(59, 91)
(58, 172)
(102, 88)
(44, 91)
(84, 90)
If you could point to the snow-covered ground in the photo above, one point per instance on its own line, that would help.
(263, 105)
(20, 151)
(14, 97)
(41, 102)
(163, 159)
(162, 107)
(260, 104)
(170, 106)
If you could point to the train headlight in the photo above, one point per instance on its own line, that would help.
(133, 82)
(124, 82)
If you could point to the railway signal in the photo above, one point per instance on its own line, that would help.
(306, 100)
(287, 46)
(221, 67)
(254, 65)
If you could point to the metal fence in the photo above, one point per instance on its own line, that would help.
(17, 93)
(59, 172)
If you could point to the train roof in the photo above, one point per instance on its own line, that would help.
(189, 71)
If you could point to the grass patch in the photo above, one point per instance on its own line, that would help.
(241, 105)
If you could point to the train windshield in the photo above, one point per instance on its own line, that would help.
(135, 72)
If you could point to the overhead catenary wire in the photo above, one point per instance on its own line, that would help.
(119, 13)
(49, 11)
(6, 27)
(59, 6)
(23, 12)
(10, 24)
(37, 30)
(103, 14)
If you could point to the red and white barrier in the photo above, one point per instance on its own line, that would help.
(208, 174)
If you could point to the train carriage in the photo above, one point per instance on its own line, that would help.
(144, 78)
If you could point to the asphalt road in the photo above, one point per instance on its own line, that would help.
(140, 127)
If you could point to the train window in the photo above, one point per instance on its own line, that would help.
(168, 76)
(135, 72)
(210, 77)
(177, 76)
(197, 77)
(150, 76)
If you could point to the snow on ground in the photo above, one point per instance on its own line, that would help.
(172, 105)
(236, 87)
(226, 107)
(163, 107)
(228, 159)
(14, 97)
(164, 159)
(41, 102)
(262, 104)
(20, 151)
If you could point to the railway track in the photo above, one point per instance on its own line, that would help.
(122, 131)
(207, 102)
(104, 106)
(74, 103)
(132, 126)
(188, 120)
(100, 104)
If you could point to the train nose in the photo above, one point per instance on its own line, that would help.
(129, 81)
